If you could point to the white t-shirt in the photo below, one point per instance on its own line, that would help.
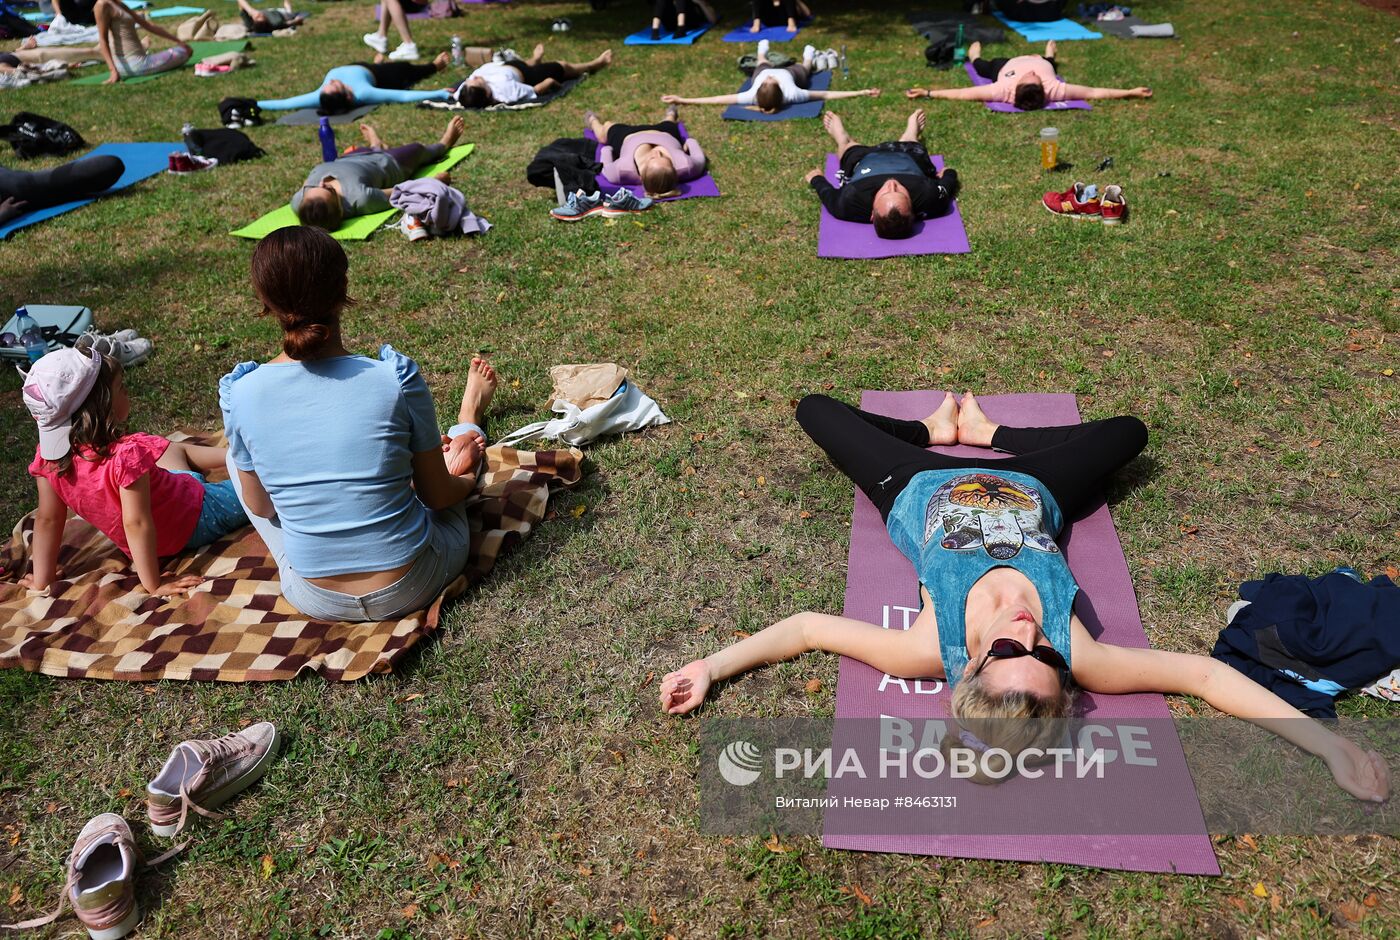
(504, 82)
(791, 93)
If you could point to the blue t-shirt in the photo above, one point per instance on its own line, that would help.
(956, 525)
(332, 441)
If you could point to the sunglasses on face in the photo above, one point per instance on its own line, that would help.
(1007, 648)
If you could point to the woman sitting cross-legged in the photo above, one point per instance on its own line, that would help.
(998, 596)
(338, 458)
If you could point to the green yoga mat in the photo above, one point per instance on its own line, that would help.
(200, 52)
(361, 226)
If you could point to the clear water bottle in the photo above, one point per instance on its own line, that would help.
(327, 141)
(845, 68)
(457, 50)
(29, 335)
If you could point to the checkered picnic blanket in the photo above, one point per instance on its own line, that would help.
(236, 627)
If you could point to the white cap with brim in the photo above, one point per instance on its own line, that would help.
(54, 388)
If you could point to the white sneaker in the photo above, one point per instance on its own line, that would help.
(412, 228)
(406, 52)
(129, 352)
(505, 55)
(809, 54)
(763, 48)
(378, 43)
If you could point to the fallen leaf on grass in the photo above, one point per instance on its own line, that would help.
(1259, 890)
(585, 870)
(741, 395)
(453, 783)
(1316, 443)
(1354, 347)
(124, 792)
(814, 686)
(774, 844)
(649, 678)
(855, 892)
(653, 916)
(987, 922)
(804, 514)
(578, 511)
(1371, 900)
(16, 895)
(51, 808)
(1239, 904)
(402, 699)
(740, 634)
(762, 480)
(1351, 910)
(268, 867)
(697, 438)
(409, 911)
(1387, 372)
(1248, 840)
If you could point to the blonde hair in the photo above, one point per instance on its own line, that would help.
(659, 180)
(1012, 721)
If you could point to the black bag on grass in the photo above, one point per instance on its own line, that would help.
(34, 135)
(223, 144)
(239, 112)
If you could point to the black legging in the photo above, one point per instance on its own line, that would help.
(881, 455)
(398, 75)
(774, 14)
(532, 75)
(668, 10)
(77, 180)
(1032, 11)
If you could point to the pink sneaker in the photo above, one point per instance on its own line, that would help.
(100, 884)
(200, 775)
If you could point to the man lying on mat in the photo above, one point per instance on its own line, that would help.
(360, 182)
(778, 13)
(677, 16)
(338, 458)
(515, 81)
(347, 87)
(650, 155)
(997, 618)
(1027, 81)
(267, 21)
(888, 185)
(773, 88)
(23, 191)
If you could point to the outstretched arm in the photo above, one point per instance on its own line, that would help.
(1085, 92)
(309, 100)
(968, 93)
(1100, 667)
(833, 95)
(712, 99)
(908, 653)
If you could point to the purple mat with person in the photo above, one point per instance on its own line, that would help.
(944, 235)
(704, 186)
(881, 586)
(1073, 104)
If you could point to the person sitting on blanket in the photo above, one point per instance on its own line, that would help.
(23, 191)
(121, 48)
(337, 457)
(268, 21)
(778, 13)
(347, 87)
(889, 185)
(515, 82)
(997, 619)
(361, 181)
(652, 155)
(772, 88)
(675, 16)
(145, 493)
(1028, 82)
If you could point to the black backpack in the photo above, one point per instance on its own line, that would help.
(223, 144)
(34, 135)
(239, 112)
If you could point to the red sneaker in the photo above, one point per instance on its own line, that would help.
(1114, 208)
(1079, 201)
(179, 162)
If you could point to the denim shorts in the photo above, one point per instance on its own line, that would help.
(221, 513)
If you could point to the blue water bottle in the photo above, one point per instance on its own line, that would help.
(327, 141)
(29, 335)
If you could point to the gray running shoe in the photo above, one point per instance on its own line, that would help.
(100, 884)
(625, 202)
(200, 775)
(130, 351)
(578, 206)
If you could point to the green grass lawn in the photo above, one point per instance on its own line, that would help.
(516, 777)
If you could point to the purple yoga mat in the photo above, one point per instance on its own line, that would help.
(879, 579)
(1073, 104)
(704, 186)
(944, 235)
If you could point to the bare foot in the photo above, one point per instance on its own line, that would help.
(605, 59)
(672, 113)
(1050, 49)
(914, 128)
(943, 423)
(974, 52)
(538, 54)
(836, 128)
(481, 385)
(453, 132)
(974, 428)
(463, 453)
(443, 60)
(371, 136)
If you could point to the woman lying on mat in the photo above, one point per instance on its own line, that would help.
(650, 155)
(347, 87)
(676, 16)
(122, 49)
(515, 81)
(338, 458)
(145, 493)
(772, 88)
(778, 13)
(889, 185)
(267, 21)
(997, 618)
(361, 181)
(1028, 81)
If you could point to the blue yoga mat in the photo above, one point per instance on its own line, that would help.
(142, 160)
(808, 109)
(1054, 29)
(175, 11)
(770, 33)
(642, 37)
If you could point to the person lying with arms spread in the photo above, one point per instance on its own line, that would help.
(772, 88)
(347, 87)
(1028, 82)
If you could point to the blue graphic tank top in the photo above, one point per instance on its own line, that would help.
(956, 525)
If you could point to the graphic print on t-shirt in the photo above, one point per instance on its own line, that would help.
(982, 510)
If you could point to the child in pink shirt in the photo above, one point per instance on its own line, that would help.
(142, 491)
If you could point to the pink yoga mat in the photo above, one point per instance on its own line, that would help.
(944, 235)
(704, 186)
(1073, 104)
(879, 580)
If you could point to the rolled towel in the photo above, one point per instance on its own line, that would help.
(1157, 31)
